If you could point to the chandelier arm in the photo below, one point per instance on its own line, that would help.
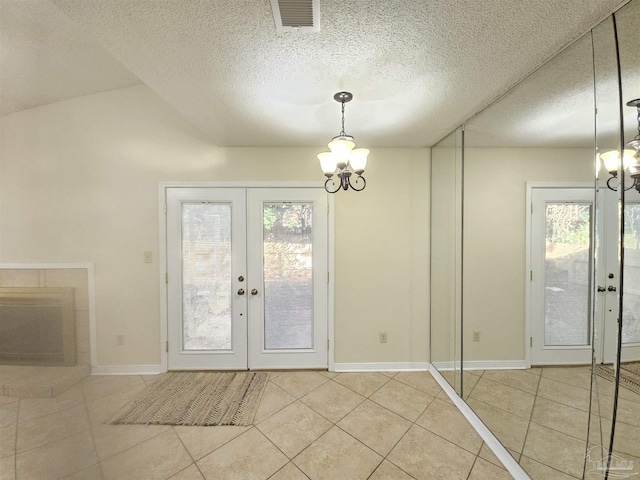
(635, 184)
(357, 181)
(326, 185)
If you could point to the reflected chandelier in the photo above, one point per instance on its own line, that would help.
(630, 158)
(343, 160)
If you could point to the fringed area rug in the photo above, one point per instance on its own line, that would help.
(198, 398)
(629, 375)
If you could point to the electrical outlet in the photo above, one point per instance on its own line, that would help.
(383, 337)
(148, 257)
(119, 340)
(476, 336)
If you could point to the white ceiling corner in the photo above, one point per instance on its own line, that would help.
(45, 58)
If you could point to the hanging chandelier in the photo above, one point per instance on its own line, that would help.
(343, 160)
(630, 158)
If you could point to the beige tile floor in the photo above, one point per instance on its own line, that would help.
(541, 415)
(315, 425)
(40, 382)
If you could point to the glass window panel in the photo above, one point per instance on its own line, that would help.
(288, 275)
(567, 278)
(206, 276)
(631, 291)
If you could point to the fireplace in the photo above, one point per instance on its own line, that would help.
(37, 326)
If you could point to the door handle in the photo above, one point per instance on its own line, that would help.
(601, 289)
(241, 292)
(611, 288)
(254, 292)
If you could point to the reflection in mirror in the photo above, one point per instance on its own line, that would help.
(528, 211)
(607, 269)
(446, 260)
(625, 447)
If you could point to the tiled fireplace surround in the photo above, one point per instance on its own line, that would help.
(47, 382)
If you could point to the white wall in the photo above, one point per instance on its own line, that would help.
(79, 182)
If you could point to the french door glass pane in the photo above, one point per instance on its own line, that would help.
(206, 276)
(631, 292)
(567, 275)
(288, 275)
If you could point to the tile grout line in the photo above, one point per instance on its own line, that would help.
(93, 440)
(530, 421)
(189, 453)
(526, 435)
(290, 460)
(92, 426)
(444, 438)
(474, 464)
(280, 409)
(327, 379)
(56, 440)
(384, 457)
(475, 384)
(414, 423)
(335, 424)
(294, 465)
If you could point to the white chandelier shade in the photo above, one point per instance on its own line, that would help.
(611, 160)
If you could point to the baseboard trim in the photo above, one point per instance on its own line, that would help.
(482, 365)
(490, 439)
(126, 369)
(383, 367)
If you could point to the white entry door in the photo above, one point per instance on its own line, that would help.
(247, 278)
(561, 275)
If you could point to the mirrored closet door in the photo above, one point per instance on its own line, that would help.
(538, 324)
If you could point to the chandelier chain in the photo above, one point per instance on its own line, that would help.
(342, 131)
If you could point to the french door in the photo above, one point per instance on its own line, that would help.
(247, 278)
(561, 275)
(608, 299)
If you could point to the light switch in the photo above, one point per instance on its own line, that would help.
(148, 257)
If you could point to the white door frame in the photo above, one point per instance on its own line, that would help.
(528, 304)
(162, 257)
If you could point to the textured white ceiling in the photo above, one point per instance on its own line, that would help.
(554, 106)
(45, 58)
(417, 68)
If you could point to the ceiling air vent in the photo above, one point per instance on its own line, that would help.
(296, 15)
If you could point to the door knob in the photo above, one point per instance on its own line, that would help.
(241, 292)
(254, 292)
(601, 289)
(611, 288)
